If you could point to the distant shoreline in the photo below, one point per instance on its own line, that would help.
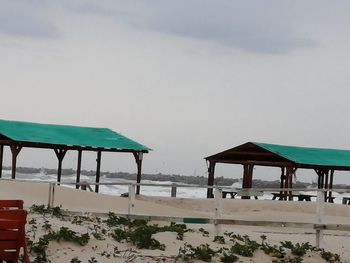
(175, 178)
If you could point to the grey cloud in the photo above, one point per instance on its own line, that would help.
(26, 19)
(254, 26)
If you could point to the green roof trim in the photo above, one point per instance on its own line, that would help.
(68, 135)
(309, 156)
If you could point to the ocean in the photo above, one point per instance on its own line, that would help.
(162, 190)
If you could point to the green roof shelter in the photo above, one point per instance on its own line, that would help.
(63, 138)
(289, 158)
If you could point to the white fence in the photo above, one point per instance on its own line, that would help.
(217, 219)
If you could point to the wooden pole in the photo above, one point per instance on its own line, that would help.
(283, 176)
(139, 172)
(98, 170)
(78, 169)
(326, 185)
(15, 151)
(331, 185)
(1, 158)
(211, 171)
(60, 153)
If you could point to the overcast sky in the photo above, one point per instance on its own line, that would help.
(186, 78)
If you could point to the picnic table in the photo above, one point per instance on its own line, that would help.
(346, 201)
(301, 197)
(231, 193)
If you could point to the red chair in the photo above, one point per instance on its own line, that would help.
(11, 204)
(12, 235)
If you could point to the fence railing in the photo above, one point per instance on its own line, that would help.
(319, 224)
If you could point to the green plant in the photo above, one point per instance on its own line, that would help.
(92, 260)
(142, 238)
(202, 252)
(75, 260)
(330, 257)
(228, 258)
(242, 250)
(273, 251)
(204, 232)
(219, 239)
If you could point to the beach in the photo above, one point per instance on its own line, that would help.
(93, 205)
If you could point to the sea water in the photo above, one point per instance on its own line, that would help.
(162, 188)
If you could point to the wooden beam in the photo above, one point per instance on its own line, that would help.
(62, 146)
(78, 169)
(60, 153)
(211, 171)
(1, 158)
(283, 177)
(260, 163)
(330, 185)
(15, 149)
(98, 170)
(138, 159)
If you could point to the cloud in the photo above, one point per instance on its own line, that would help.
(253, 26)
(26, 19)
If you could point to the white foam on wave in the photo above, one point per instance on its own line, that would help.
(184, 192)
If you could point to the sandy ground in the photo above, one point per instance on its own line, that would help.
(259, 210)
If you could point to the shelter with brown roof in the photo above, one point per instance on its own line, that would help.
(288, 158)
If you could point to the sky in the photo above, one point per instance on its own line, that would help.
(187, 78)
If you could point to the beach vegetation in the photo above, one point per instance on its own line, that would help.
(273, 251)
(202, 252)
(75, 260)
(330, 257)
(56, 211)
(204, 232)
(141, 235)
(219, 239)
(228, 258)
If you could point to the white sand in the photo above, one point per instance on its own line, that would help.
(76, 200)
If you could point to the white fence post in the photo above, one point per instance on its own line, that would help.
(319, 218)
(131, 203)
(51, 195)
(217, 209)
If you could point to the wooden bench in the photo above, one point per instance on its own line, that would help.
(231, 193)
(300, 197)
(11, 204)
(346, 201)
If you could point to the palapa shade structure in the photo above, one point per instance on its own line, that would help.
(63, 138)
(289, 158)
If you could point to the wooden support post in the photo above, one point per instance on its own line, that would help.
(250, 176)
(138, 158)
(15, 151)
(1, 158)
(98, 170)
(78, 169)
(289, 182)
(283, 177)
(173, 190)
(211, 171)
(247, 177)
(330, 185)
(60, 153)
(326, 184)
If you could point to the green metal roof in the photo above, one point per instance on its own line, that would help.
(310, 156)
(68, 135)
